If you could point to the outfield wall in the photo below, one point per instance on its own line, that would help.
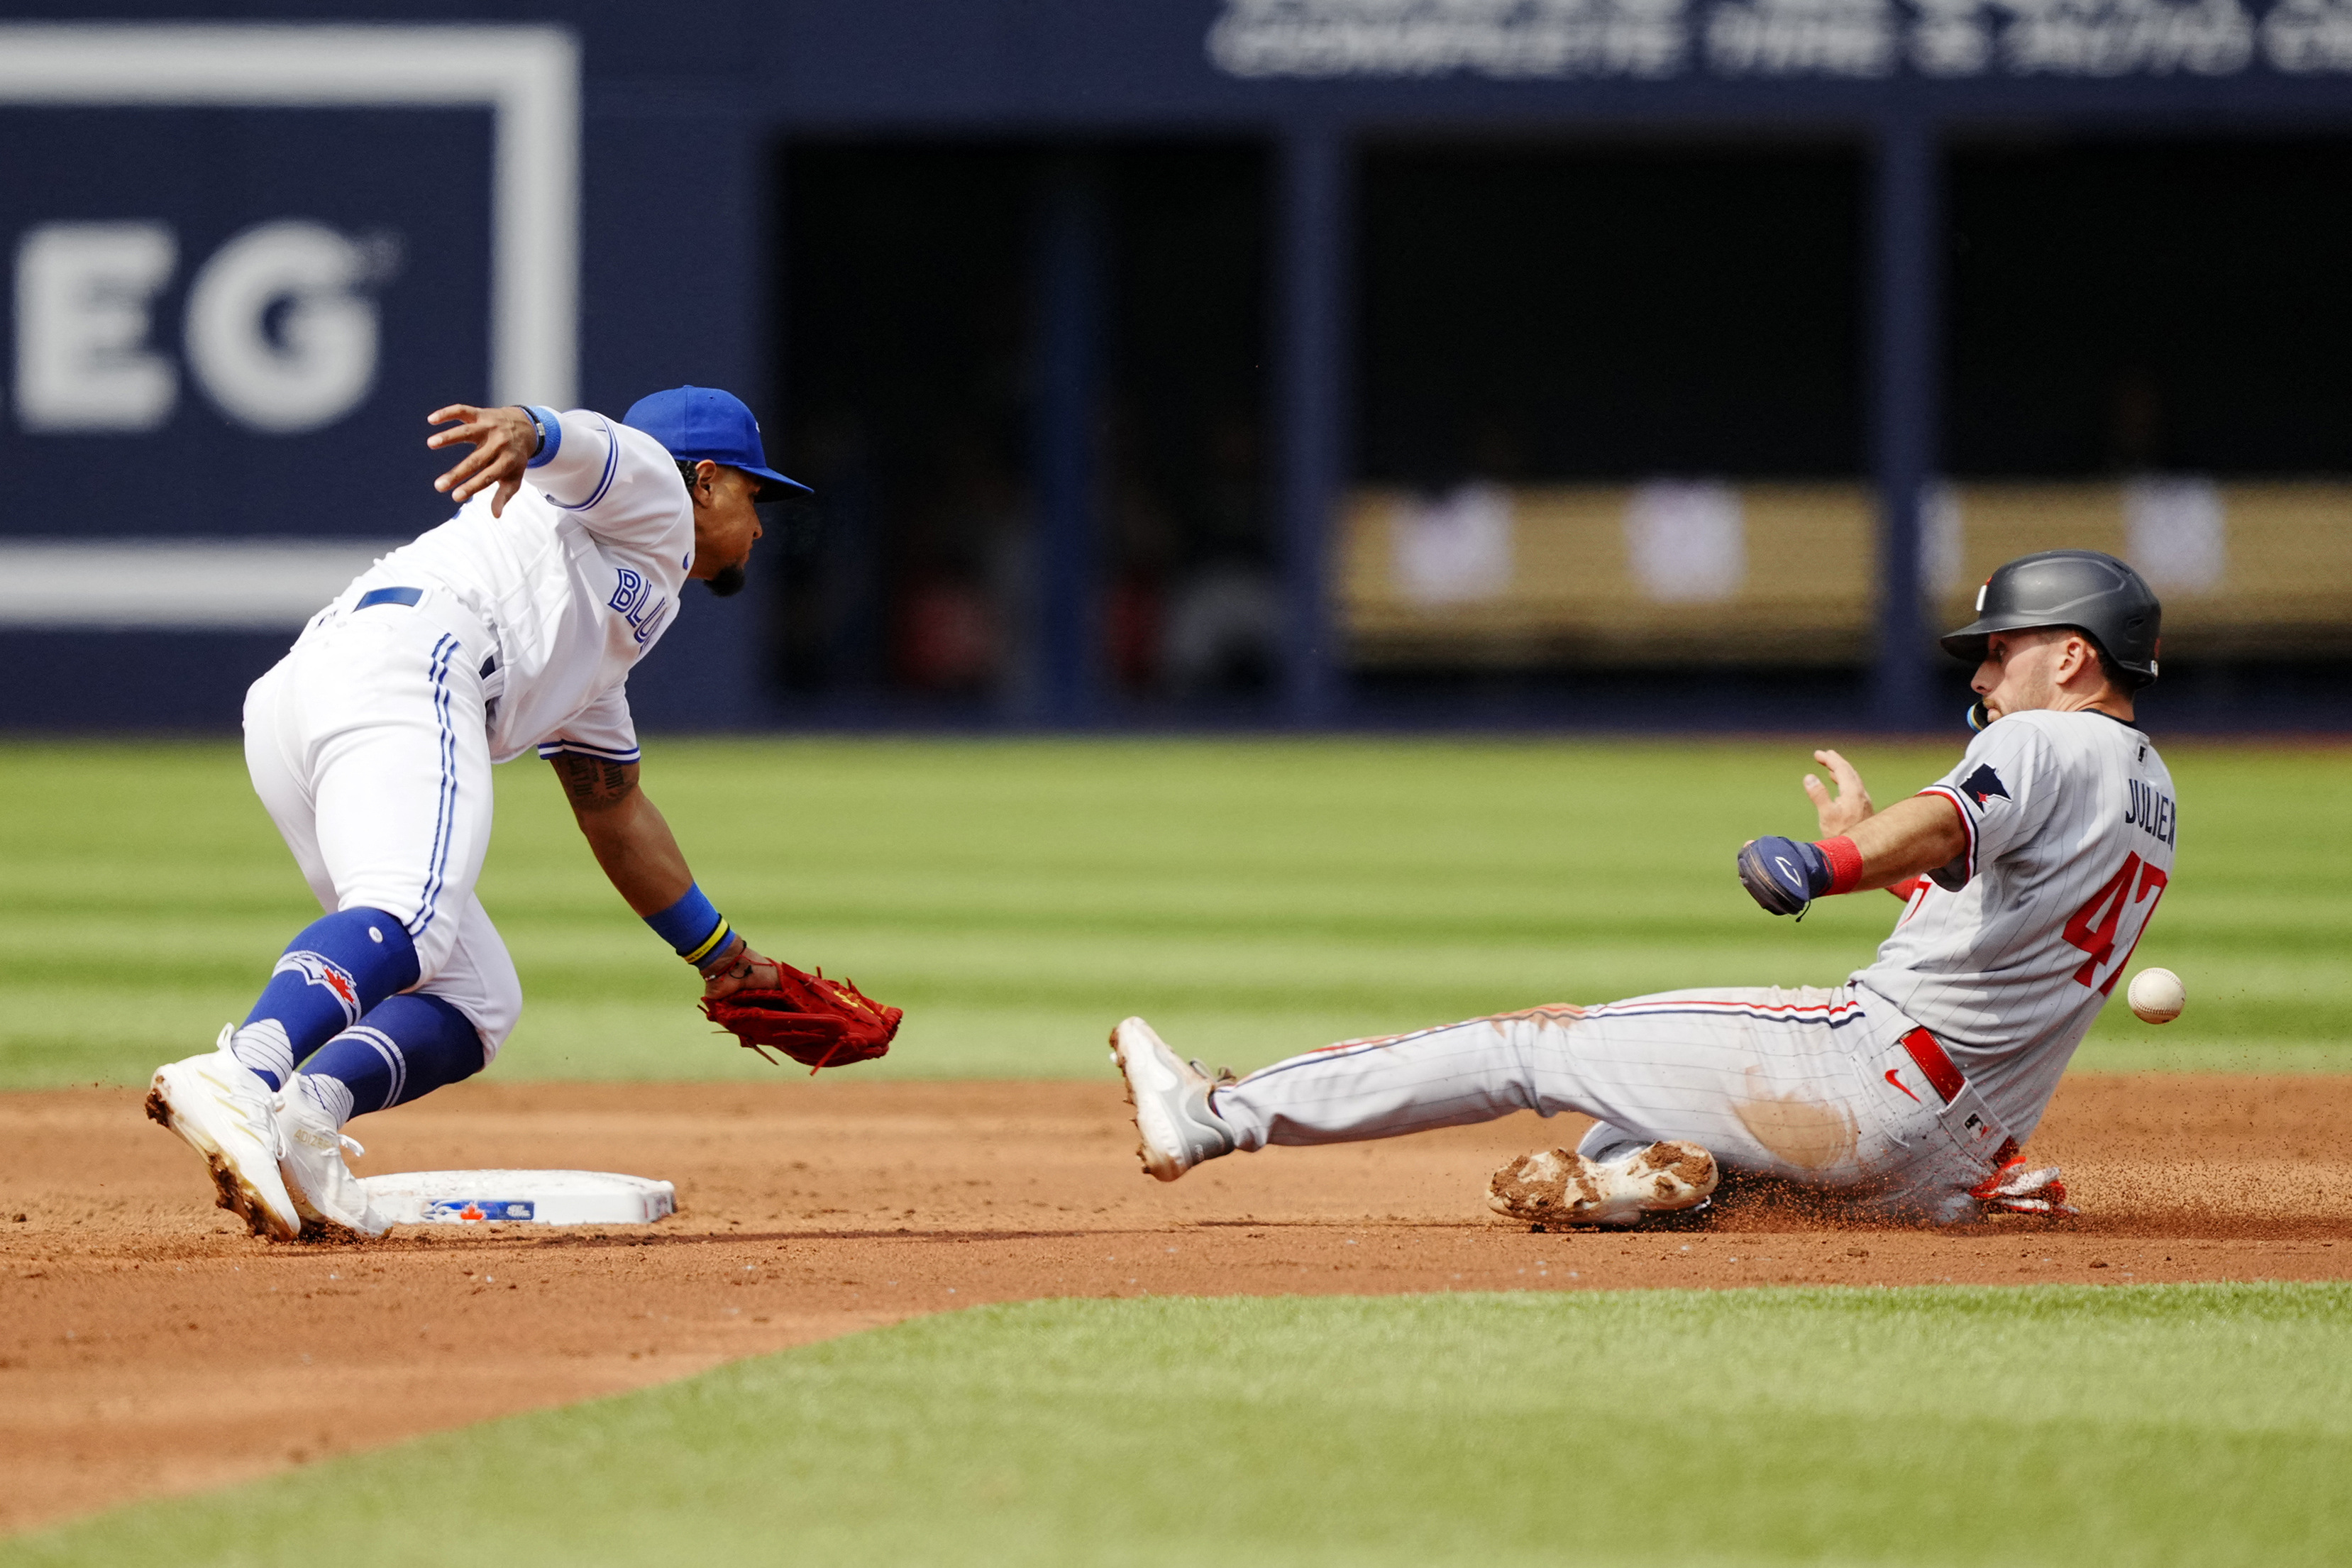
(248, 254)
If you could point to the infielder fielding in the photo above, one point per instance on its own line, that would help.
(512, 627)
(2029, 872)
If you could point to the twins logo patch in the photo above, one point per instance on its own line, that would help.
(1983, 785)
(318, 968)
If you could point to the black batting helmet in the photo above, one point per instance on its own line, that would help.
(2092, 592)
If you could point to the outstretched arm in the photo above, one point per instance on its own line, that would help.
(504, 441)
(1862, 847)
(1907, 839)
(641, 858)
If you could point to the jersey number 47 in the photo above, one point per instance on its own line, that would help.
(2096, 926)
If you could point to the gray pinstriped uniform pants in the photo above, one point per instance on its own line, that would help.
(1812, 1085)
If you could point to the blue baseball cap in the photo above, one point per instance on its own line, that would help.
(699, 422)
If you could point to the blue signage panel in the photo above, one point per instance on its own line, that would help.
(232, 320)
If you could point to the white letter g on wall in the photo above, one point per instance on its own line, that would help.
(279, 331)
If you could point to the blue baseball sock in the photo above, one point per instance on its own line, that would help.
(332, 976)
(405, 1047)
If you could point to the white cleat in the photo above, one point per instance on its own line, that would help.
(1171, 1103)
(1554, 1187)
(310, 1158)
(221, 1108)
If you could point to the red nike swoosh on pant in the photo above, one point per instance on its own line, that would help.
(1898, 1083)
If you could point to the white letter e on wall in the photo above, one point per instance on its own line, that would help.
(82, 296)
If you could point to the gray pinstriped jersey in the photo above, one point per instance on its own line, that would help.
(2007, 956)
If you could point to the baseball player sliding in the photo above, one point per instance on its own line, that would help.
(2029, 873)
(510, 628)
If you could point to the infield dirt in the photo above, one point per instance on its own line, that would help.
(148, 1345)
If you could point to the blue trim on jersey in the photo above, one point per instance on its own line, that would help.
(375, 596)
(612, 461)
(1967, 821)
(582, 749)
(553, 439)
(444, 815)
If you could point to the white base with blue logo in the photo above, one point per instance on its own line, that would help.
(520, 1197)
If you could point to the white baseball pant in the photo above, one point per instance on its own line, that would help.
(367, 745)
(1812, 1085)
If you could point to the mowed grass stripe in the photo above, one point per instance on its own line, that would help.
(2158, 1424)
(1253, 896)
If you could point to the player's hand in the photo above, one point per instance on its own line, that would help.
(1783, 875)
(1839, 814)
(741, 969)
(504, 441)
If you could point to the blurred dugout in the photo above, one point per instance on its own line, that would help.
(1677, 572)
(1609, 416)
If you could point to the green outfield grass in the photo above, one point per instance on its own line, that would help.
(1252, 898)
(2160, 1424)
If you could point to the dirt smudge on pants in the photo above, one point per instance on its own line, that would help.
(1804, 1133)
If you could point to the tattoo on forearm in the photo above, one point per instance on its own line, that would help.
(592, 782)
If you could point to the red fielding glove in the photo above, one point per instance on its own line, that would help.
(817, 1022)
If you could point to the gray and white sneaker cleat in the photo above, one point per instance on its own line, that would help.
(1172, 1103)
(310, 1157)
(221, 1109)
(1556, 1187)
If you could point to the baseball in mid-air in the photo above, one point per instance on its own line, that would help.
(2157, 996)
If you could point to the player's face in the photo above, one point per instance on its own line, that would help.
(726, 523)
(2021, 671)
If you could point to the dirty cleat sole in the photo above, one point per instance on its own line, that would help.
(198, 1100)
(1175, 1128)
(1556, 1187)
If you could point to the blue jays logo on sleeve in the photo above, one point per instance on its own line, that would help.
(633, 596)
(1982, 784)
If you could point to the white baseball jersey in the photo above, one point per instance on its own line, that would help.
(575, 582)
(371, 742)
(2008, 953)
